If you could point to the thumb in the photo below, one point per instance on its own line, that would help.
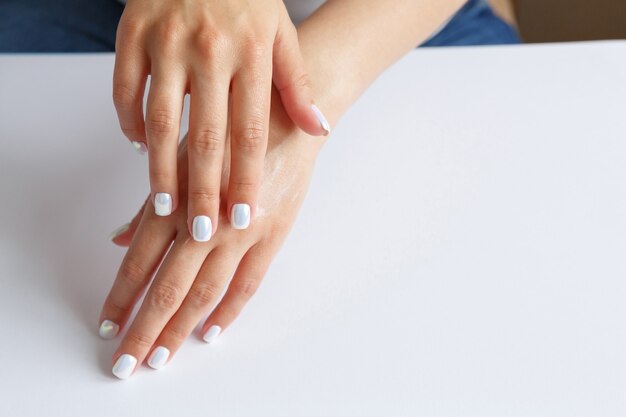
(292, 82)
(123, 235)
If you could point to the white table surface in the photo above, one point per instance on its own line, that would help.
(461, 251)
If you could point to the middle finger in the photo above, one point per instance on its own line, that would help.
(164, 296)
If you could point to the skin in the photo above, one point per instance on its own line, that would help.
(345, 47)
(208, 48)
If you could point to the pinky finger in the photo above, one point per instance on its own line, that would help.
(244, 284)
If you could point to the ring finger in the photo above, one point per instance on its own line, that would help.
(164, 110)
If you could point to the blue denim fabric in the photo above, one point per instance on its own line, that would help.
(475, 24)
(58, 25)
(89, 26)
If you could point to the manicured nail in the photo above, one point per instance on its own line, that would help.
(159, 356)
(240, 215)
(212, 333)
(321, 118)
(123, 228)
(162, 204)
(201, 228)
(124, 366)
(140, 147)
(108, 329)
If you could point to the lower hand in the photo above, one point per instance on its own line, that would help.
(194, 274)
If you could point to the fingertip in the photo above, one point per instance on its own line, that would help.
(240, 214)
(122, 241)
(323, 124)
(164, 204)
(140, 147)
(305, 114)
(121, 236)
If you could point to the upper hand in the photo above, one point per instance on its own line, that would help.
(206, 48)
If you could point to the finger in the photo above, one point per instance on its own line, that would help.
(129, 82)
(292, 82)
(251, 92)
(244, 284)
(164, 297)
(208, 119)
(152, 238)
(209, 285)
(123, 235)
(164, 109)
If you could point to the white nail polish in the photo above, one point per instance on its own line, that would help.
(140, 147)
(108, 330)
(321, 118)
(124, 366)
(240, 216)
(212, 333)
(123, 228)
(158, 358)
(162, 204)
(201, 228)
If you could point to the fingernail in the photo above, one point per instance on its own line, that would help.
(201, 228)
(124, 366)
(321, 118)
(123, 228)
(108, 329)
(162, 204)
(159, 356)
(212, 333)
(240, 215)
(140, 147)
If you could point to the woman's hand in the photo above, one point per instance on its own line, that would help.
(194, 274)
(206, 48)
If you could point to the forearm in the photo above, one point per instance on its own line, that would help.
(346, 44)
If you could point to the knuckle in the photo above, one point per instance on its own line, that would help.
(114, 308)
(254, 49)
(244, 185)
(246, 288)
(130, 27)
(132, 132)
(297, 81)
(228, 312)
(175, 333)
(287, 33)
(160, 122)
(132, 272)
(168, 32)
(302, 80)
(124, 97)
(164, 296)
(251, 136)
(160, 177)
(203, 295)
(139, 339)
(206, 141)
(210, 43)
(208, 195)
